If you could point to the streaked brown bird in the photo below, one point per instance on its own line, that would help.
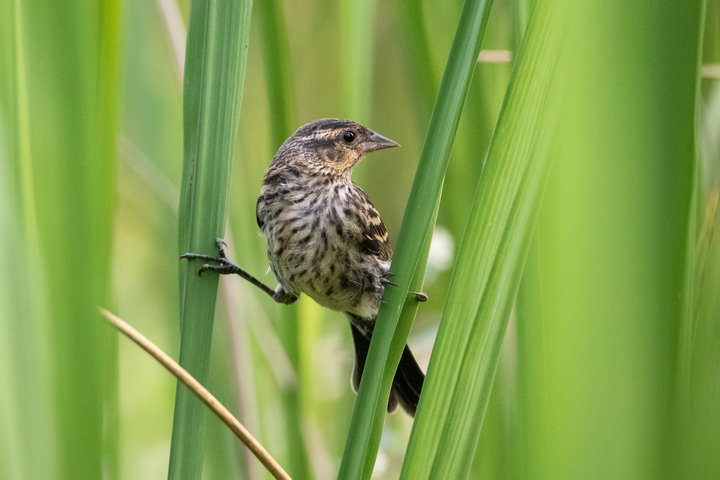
(326, 239)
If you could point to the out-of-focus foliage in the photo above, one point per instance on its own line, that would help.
(610, 367)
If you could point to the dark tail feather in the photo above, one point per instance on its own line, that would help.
(408, 380)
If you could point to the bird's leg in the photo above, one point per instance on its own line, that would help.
(419, 296)
(226, 267)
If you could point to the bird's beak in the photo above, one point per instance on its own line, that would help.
(377, 142)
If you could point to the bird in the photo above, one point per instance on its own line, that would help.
(325, 238)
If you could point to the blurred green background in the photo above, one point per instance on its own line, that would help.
(149, 174)
(82, 226)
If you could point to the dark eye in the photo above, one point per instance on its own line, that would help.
(348, 136)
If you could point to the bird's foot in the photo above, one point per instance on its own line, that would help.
(224, 265)
(386, 281)
(419, 296)
(283, 296)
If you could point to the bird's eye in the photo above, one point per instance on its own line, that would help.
(348, 136)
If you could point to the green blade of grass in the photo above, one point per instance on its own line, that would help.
(390, 335)
(611, 246)
(26, 416)
(358, 20)
(62, 127)
(23, 343)
(276, 61)
(419, 61)
(281, 102)
(214, 76)
(698, 356)
(488, 267)
(25, 369)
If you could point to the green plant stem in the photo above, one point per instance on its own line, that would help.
(488, 267)
(214, 75)
(358, 26)
(390, 336)
(611, 247)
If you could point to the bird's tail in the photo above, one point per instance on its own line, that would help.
(408, 380)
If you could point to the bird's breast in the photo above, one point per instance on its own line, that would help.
(314, 238)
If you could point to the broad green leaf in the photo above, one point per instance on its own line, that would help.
(214, 76)
(413, 243)
(58, 123)
(490, 262)
(601, 318)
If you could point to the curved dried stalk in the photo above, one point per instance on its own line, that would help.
(201, 392)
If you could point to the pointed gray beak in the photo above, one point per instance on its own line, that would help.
(378, 142)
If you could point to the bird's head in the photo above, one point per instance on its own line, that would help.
(330, 146)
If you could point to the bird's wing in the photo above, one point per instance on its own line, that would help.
(375, 238)
(258, 214)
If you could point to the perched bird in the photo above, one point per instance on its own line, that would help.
(326, 239)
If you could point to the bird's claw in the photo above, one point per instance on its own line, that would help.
(221, 246)
(221, 259)
(226, 267)
(419, 296)
(210, 258)
(386, 281)
(221, 269)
